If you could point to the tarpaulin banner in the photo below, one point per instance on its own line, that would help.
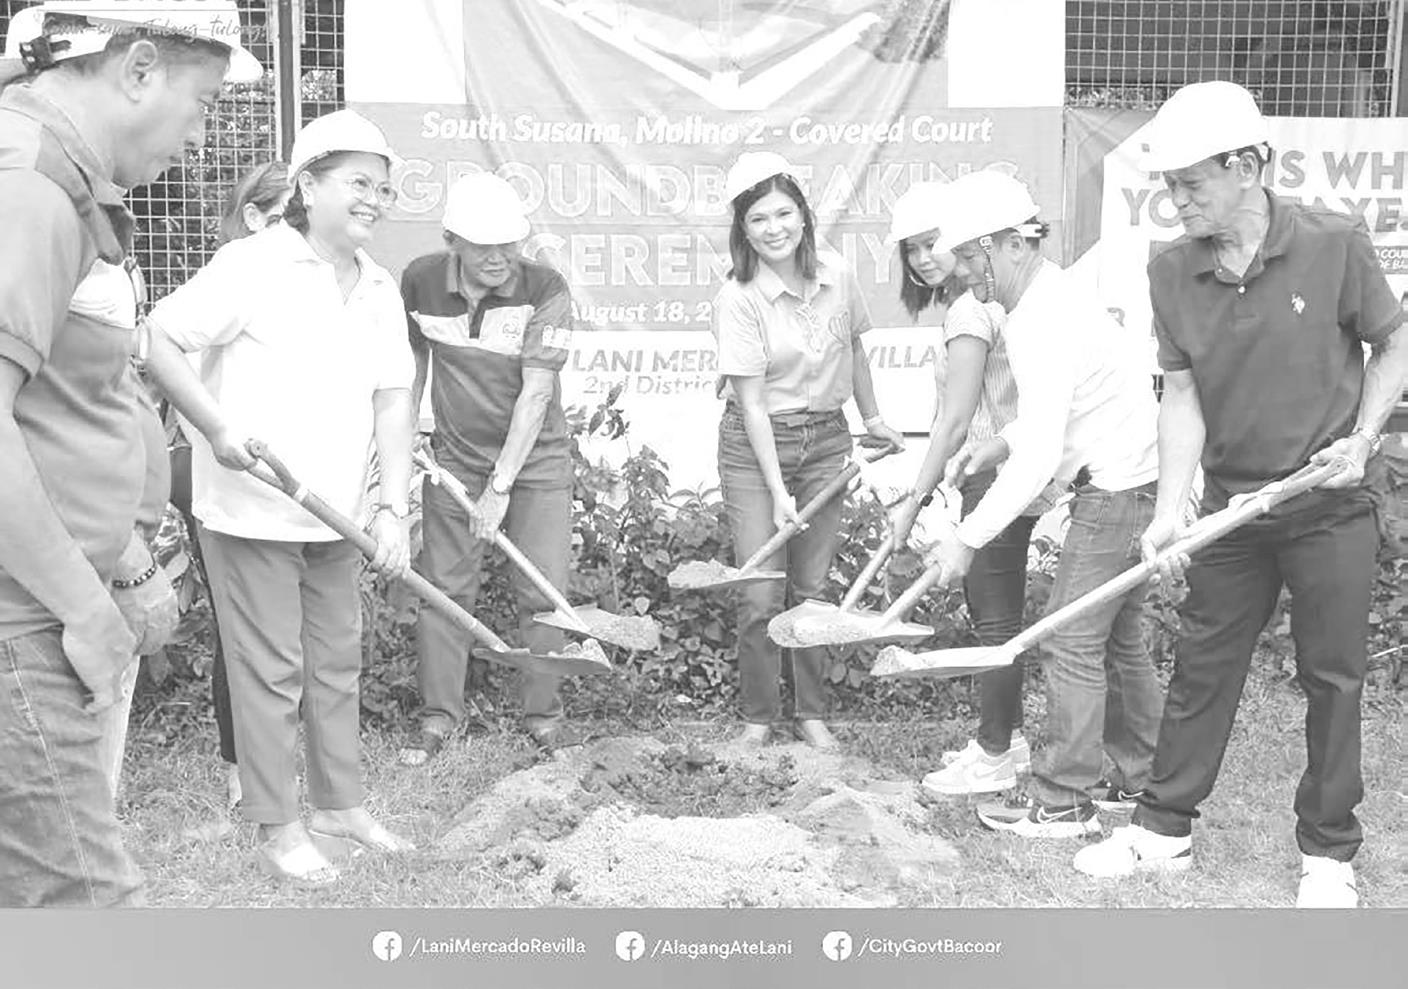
(617, 121)
(1356, 166)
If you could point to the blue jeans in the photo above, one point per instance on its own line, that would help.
(1100, 680)
(811, 449)
(996, 592)
(59, 839)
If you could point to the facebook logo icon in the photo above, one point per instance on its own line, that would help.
(837, 946)
(386, 945)
(630, 945)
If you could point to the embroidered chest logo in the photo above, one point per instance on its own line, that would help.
(1297, 303)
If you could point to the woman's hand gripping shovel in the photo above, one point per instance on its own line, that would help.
(585, 659)
(711, 575)
(945, 663)
(817, 623)
(589, 620)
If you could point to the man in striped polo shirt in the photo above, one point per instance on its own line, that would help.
(495, 329)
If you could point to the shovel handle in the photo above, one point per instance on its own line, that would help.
(460, 493)
(1206, 531)
(284, 480)
(905, 603)
(863, 579)
(833, 487)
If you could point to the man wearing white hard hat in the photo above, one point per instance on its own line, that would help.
(1262, 311)
(1085, 415)
(97, 98)
(495, 329)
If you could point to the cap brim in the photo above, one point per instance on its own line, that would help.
(244, 67)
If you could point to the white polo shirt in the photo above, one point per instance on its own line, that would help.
(292, 364)
(1084, 399)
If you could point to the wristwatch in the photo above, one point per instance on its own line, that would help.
(1375, 440)
(499, 485)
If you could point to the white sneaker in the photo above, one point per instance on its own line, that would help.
(1326, 882)
(973, 772)
(1134, 849)
(1019, 750)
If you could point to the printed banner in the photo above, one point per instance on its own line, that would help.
(617, 123)
(1354, 165)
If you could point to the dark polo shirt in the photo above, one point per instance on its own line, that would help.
(477, 360)
(1277, 356)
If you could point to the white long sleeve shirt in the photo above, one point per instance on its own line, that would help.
(1084, 399)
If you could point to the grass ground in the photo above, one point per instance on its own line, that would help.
(1245, 850)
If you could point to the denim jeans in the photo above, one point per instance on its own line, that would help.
(996, 592)
(59, 839)
(811, 449)
(1321, 546)
(539, 522)
(1100, 680)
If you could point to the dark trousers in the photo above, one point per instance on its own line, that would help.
(996, 592)
(1321, 546)
(811, 449)
(219, 681)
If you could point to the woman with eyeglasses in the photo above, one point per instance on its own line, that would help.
(788, 321)
(303, 344)
(978, 398)
(257, 201)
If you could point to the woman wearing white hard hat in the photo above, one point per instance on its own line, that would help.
(304, 345)
(979, 398)
(789, 322)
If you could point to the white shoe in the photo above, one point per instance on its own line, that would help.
(973, 772)
(1134, 849)
(1326, 882)
(1019, 750)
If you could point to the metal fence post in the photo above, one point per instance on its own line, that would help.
(288, 72)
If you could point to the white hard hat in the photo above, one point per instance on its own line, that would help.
(484, 209)
(751, 168)
(341, 130)
(919, 208)
(1199, 121)
(982, 203)
(217, 21)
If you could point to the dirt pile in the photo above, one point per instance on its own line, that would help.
(633, 822)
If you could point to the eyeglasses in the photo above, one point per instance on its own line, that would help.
(365, 189)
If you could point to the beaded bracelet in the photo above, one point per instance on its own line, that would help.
(141, 578)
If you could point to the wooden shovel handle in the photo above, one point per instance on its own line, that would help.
(833, 487)
(905, 603)
(872, 567)
(284, 480)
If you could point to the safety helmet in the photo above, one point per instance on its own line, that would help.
(341, 130)
(28, 44)
(751, 168)
(919, 208)
(1199, 121)
(485, 209)
(982, 203)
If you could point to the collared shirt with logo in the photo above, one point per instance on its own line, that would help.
(801, 345)
(293, 363)
(1277, 354)
(477, 357)
(68, 309)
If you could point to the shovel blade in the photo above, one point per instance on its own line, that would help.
(942, 664)
(827, 625)
(711, 575)
(629, 633)
(577, 659)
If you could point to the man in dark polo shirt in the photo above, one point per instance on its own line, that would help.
(1262, 312)
(100, 98)
(494, 328)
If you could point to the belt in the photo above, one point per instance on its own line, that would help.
(803, 417)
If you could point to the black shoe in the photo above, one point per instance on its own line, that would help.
(1107, 796)
(1022, 815)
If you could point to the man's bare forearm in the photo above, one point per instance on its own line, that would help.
(1182, 433)
(530, 411)
(1385, 377)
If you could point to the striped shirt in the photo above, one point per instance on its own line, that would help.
(997, 401)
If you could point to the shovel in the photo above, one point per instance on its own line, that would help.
(945, 663)
(711, 575)
(584, 659)
(817, 623)
(588, 620)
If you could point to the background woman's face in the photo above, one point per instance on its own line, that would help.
(930, 265)
(773, 226)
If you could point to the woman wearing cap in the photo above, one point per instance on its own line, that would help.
(979, 398)
(304, 345)
(788, 321)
